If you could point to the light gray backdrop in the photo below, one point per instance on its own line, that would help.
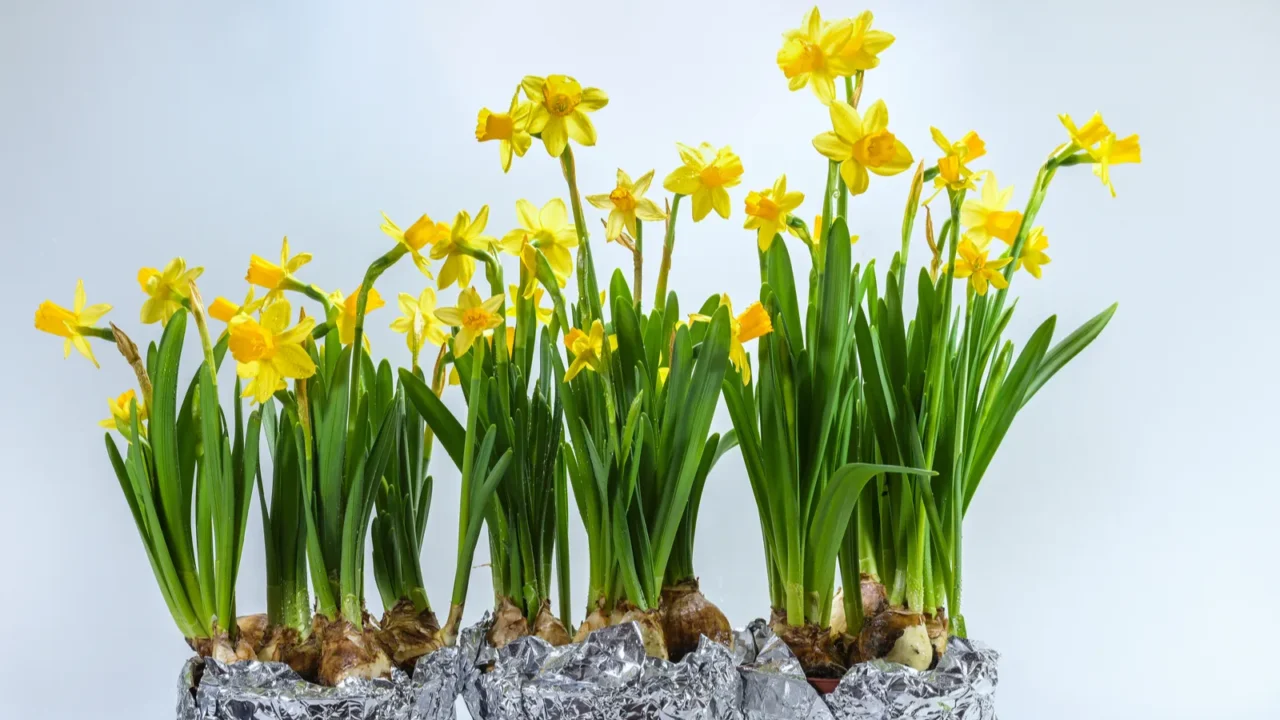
(1120, 553)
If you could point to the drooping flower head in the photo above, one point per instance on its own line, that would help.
(418, 322)
(121, 413)
(705, 176)
(347, 318)
(1095, 138)
(587, 349)
(423, 232)
(166, 291)
(57, 320)
(973, 264)
(754, 322)
(465, 234)
(472, 317)
(810, 54)
(861, 144)
(510, 129)
(1033, 254)
(548, 230)
(953, 169)
(767, 212)
(626, 203)
(862, 50)
(269, 351)
(560, 107)
(272, 277)
(986, 217)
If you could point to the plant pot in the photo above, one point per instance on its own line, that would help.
(824, 686)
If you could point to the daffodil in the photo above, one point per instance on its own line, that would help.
(423, 232)
(419, 323)
(272, 277)
(510, 129)
(587, 349)
(472, 317)
(953, 171)
(57, 320)
(269, 351)
(560, 107)
(223, 309)
(986, 217)
(817, 231)
(767, 212)
(464, 235)
(754, 322)
(121, 414)
(166, 291)
(810, 54)
(1095, 138)
(626, 203)
(548, 230)
(973, 264)
(705, 176)
(540, 314)
(862, 143)
(1033, 254)
(347, 318)
(862, 50)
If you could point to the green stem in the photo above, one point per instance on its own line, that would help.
(97, 332)
(371, 276)
(588, 293)
(638, 266)
(668, 245)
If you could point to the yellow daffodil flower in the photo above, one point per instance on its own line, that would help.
(510, 129)
(560, 107)
(705, 176)
(548, 230)
(811, 54)
(223, 309)
(986, 217)
(166, 291)
(862, 50)
(272, 277)
(587, 349)
(1033, 252)
(1095, 138)
(472, 317)
(540, 314)
(454, 378)
(953, 170)
(57, 320)
(121, 416)
(419, 323)
(465, 234)
(817, 231)
(862, 143)
(347, 318)
(754, 322)
(767, 212)
(626, 203)
(270, 351)
(423, 232)
(663, 372)
(973, 264)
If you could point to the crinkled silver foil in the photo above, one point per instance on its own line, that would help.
(961, 687)
(273, 691)
(606, 677)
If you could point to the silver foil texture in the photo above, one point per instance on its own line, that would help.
(606, 677)
(273, 691)
(961, 687)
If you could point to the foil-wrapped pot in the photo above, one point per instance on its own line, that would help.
(606, 677)
(211, 690)
(961, 687)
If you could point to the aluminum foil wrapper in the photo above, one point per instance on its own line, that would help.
(271, 691)
(961, 687)
(605, 677)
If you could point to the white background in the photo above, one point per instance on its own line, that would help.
(1121, 553)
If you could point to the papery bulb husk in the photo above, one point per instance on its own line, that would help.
(875, 599)
(408, 634)
(254, 630)
(508, 623)
(897, 635)
(812, 645)
(286, 645)
(650, 622)
(687, 615)
(449, 633)
(939, 628)
(839, 623)
(597, 619)
(548, 627)
(220, 647)
(346, 651)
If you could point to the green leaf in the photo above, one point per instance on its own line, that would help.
(1063, 352)
(443, 424)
